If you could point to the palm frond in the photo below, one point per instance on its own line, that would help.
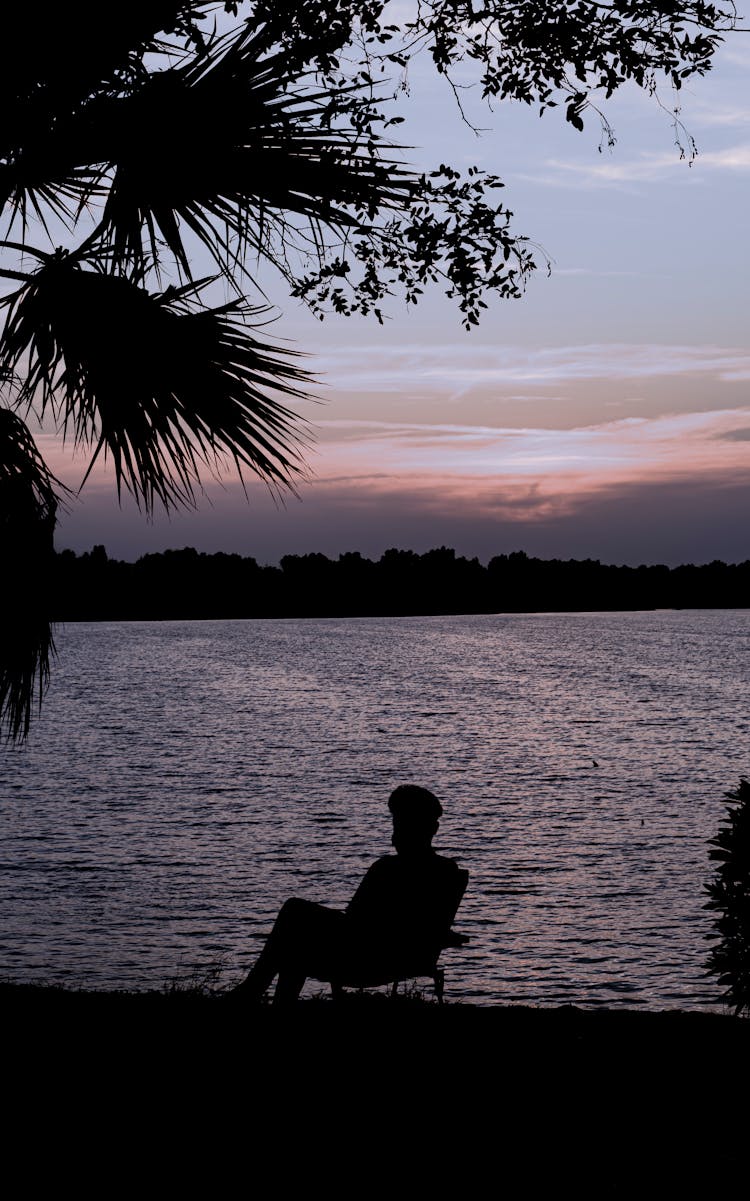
(65, 63)
(226, 145)
(163, 386)
(222, 143)
(26, 647)
(28, 504)
(28, 491)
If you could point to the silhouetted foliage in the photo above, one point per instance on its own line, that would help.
(187, 584)
(729, 891)
(28, 502)
(259, 134)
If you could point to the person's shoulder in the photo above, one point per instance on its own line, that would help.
(383, 865)
(448, 864)
(447, 867)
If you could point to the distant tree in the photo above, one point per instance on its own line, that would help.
(729, 893)
(246, 134)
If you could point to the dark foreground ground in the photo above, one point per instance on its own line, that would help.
(183, 1092)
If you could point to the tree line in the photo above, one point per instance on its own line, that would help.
(185, 584)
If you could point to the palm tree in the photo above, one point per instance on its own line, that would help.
(138, 147)
(178, 126)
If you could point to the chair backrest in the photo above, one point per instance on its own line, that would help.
(462, 879)
(420, 960)
(450, 937)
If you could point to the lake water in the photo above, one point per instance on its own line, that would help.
(186, 777)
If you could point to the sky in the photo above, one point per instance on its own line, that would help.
(606, 414)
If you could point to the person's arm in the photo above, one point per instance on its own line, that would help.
(366, 899)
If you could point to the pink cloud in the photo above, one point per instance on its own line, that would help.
(555, 462)
(483, 462)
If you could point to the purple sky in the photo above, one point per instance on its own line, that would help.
(605, 414)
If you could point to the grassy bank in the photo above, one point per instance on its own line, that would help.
(463, 1093)
(518, 1033)
(413, 1009)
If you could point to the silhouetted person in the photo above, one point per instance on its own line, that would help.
(403, 907)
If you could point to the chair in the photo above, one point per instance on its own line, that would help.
(423, 963)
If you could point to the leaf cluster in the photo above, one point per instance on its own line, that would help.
(729, 893)
(453, 235)
(29, 497)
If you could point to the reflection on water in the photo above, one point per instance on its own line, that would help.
(187, 777)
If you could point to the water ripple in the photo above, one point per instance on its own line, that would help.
(188, 777)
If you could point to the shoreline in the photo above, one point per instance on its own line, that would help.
(426, 616)
(408, 1007)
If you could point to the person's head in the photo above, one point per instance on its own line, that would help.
(416, 817)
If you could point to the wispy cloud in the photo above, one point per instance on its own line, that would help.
(722, 115)
(649, 167)
(452, 369)
(555, 462)
(588, 271)
(732, 158)
(736, 52)
(738, 435)
(383, 457)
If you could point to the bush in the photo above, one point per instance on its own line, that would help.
(730, 898)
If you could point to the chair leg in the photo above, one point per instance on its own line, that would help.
(439, 982)
(394, 989)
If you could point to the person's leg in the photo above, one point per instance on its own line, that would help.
(289, 986)
(301, 943)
